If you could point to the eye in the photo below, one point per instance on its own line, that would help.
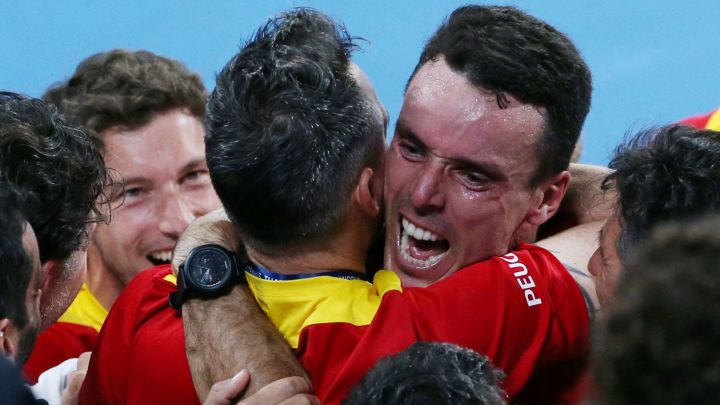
(410, 151)
(195, 176)
(472, 179)
(132, 192)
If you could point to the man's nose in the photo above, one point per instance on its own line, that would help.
(427, 191)
(174, 216)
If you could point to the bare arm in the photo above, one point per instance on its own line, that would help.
(572, 236)
(584, 202)
(230, 333)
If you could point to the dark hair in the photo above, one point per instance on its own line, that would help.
(59, 170)
(16, 264)
(289, 131)
(431, 373)
(126, 89)
(659, 343)
(505, 51)
(669, 173)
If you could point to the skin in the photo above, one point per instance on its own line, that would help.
(163, 193)
(459, 166)
(605, 265)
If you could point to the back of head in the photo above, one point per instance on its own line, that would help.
(16, 265)
(659, 344)
(126, 89)
(431, 373)
(505, 51)
(289, 131)
(58, 168)
(670, 173)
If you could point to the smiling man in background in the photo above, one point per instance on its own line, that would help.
(148, 111)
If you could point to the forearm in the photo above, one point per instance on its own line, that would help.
(584, 202)
(230, 333)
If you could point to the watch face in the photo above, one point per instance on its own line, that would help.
(208, 267)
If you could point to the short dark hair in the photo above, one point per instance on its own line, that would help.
(289, 131)
(431, 373)
(16, 263)
(58, 168)
(506, 51)
(662, 174)
(659, 344)
(121, 88)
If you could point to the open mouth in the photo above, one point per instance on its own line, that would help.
(420, 247)
(160, 258)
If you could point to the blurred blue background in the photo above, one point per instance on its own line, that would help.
(652, 62)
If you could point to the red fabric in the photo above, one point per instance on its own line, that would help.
(140, 353)
(698, 121)
(59, 342)
(481, 307)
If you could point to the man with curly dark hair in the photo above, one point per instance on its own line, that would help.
(148, 111)
(60, 171)
(670, 173)
(658, 343)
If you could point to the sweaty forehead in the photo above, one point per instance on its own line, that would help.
(435, 83)
(441, 101)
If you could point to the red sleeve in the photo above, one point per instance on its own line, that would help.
(523, 310)
(59, 342)
(523, 317)
(139, 357)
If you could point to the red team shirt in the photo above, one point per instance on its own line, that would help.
(523, 310)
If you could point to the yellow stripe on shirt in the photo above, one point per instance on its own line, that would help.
(85, 310)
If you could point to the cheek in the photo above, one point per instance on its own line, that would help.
(126, 227)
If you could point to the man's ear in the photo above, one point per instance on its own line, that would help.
(7, 348)
(549, 195)
(368, 192)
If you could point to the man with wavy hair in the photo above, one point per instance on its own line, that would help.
(148, 111)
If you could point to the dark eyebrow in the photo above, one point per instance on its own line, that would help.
(404, 132)
(193, 164)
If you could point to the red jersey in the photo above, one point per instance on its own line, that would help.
(523, 310)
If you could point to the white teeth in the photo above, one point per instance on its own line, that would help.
(162, 256)
(417, 232)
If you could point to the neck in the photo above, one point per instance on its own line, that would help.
(345, 251)
(105, 286)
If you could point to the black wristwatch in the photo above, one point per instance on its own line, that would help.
(208, 272)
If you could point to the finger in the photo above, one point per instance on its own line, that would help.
(69, 395)
(278, 391)
(225, 391)
(83, 361)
